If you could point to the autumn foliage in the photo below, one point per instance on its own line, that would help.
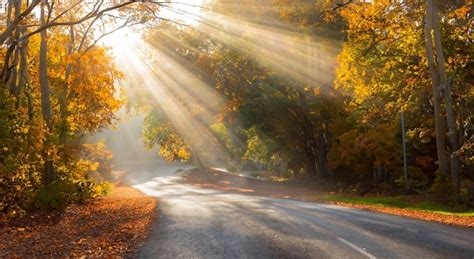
(300, 89)
(90, 101)
(348, 130)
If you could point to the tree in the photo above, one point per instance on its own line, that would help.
(159, 133)
(387, 67)
(45, 92)
(56, 74)
(441, 88)
(293, 117)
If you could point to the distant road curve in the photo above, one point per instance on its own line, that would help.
(200, 223)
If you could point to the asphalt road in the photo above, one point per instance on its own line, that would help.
(200, 223)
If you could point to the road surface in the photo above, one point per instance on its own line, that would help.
(201, 223)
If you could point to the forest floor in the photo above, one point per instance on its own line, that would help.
(112, 226)
(407, 206)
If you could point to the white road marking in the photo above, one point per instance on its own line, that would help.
(358, 249)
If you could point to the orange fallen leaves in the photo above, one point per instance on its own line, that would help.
(108, 227)
(463, 221)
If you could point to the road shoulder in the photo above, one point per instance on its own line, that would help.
(227, 182)
(112, 226)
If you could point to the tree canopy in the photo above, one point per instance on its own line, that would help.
(301, 89)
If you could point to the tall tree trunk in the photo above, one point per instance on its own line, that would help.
(445, 85)
(310, 165)
(24, 77)
(13, 24)
(48, 176)
(9, 13)
(10, 68)
(322, 154)
(64, 94)
(462, 130)
(29, 99)
(329, 147)
(453, 138)
(13, 76)
(439, 118)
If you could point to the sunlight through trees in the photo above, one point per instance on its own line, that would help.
(286, 89)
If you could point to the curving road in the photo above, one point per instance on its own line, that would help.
(201, 223)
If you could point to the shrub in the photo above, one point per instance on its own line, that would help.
(466, 193)
(417, 181)
(19, 157)
(466, 152)
(61, 193)
(97, 153)
(103, 189)
(232, 168)
(81, 174)
(443, 189)
(52, 196)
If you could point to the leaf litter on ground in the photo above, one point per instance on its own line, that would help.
(107, 227)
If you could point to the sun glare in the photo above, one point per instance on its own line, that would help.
(167, 80)
(185, 11)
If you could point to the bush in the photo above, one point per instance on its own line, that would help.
(103, 189)
(417, 181)
(79, 177)
(17, 184)
(61, 193)
(466, 194)
(20, 160)
(466, 152)
(81, 174)
(52, 196)
(443, 189)
(97, 153)
(232, 168)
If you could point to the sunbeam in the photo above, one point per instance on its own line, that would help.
(188, 102)
(307, 60)
(296, 56)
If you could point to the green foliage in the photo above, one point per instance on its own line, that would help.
(405, 202)
(78, 179)
(159, 133)
(52, 196)
(232, 168)
(61, 193)
(228, 140)
(417, 181)
(292, 119)
(258, 147)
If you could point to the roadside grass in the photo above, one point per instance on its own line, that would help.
(401, 202)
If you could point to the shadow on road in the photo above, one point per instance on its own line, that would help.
(197, 222)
